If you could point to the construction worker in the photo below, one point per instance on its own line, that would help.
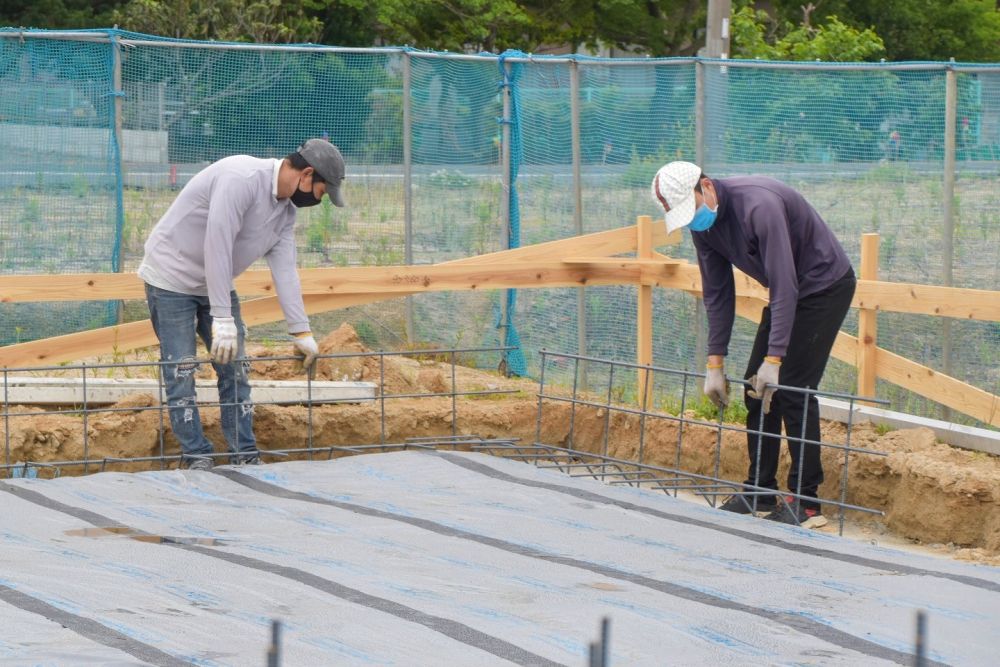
(770, 232)
(229, 215)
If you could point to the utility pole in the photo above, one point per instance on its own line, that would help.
(710, 86)
(717, 29)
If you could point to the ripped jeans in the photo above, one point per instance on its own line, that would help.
(177, 318)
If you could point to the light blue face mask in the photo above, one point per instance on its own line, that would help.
(703, 218)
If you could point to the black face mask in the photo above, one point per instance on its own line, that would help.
(304, 199)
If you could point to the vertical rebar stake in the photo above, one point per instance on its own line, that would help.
(713, 499)
(541, 393)
(454, 398)
(607, 413)
(274, 650)
(644, 406)
(680, 429)
(86, 439)
(6, 421)
(802, 449)
(309, 407)
(163, 401)
(572, 406)
(605, 640)
(381, 393)
(847, 463)
(760, 444)
(920, 650)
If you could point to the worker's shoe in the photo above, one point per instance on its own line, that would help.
(744, 504)
(246, 459)
(199, 463)
(794, 514)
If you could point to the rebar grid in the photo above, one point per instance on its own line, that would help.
(23, 468)
(709, 487)
(570, 460)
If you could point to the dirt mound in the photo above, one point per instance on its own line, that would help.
(393, 373)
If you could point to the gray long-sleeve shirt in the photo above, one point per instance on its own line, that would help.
(770, 232)
(227, 217)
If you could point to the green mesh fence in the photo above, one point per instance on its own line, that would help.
(865, 144)
(58, 182)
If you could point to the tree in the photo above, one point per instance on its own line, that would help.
(755, 34)
(653, 27)
(259, 21)
(968, 30)
(56, 14)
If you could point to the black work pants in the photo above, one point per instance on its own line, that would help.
(817, 320)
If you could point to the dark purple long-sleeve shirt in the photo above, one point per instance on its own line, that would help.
(770, 232)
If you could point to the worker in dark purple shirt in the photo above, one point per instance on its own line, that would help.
(770, 232)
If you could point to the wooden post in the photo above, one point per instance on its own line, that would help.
(868, 319)
(644, 314)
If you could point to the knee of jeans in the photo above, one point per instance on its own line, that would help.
(183, 369)
(187, 404)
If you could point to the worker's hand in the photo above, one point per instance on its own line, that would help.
(716, 385)
(225, 339)
(766, 375)
(306, 345)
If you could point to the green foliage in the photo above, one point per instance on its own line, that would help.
(260, 21)
(450, 179)
(835, 41)
(967, 30)
(882, 429)
(322, 228)
(367, 333)
(32, 212)
(57, 13)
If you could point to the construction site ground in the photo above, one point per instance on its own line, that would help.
(936, 498)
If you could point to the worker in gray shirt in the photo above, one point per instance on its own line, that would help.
(229, 215)
(770, 232)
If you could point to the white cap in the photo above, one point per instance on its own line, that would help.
(673, 188)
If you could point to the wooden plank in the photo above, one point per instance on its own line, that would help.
(134, 335)
(868, 319)
(70, 287)
(644, 311)
(960, 303)
(624, 262)
(957, 302)
(402, 280)
(939, 387)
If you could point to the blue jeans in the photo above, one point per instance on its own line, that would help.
(176, 319)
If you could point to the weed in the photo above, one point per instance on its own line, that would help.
(883, 428)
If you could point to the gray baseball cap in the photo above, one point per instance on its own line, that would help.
(328, 163)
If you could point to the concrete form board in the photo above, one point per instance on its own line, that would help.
(104, 391)
(957, 435)
(445, 559)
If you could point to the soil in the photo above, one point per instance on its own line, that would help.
(943, 500)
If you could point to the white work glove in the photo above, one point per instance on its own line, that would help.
(306, 345)
(225, 339)
(716, 385)
(766, 375)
